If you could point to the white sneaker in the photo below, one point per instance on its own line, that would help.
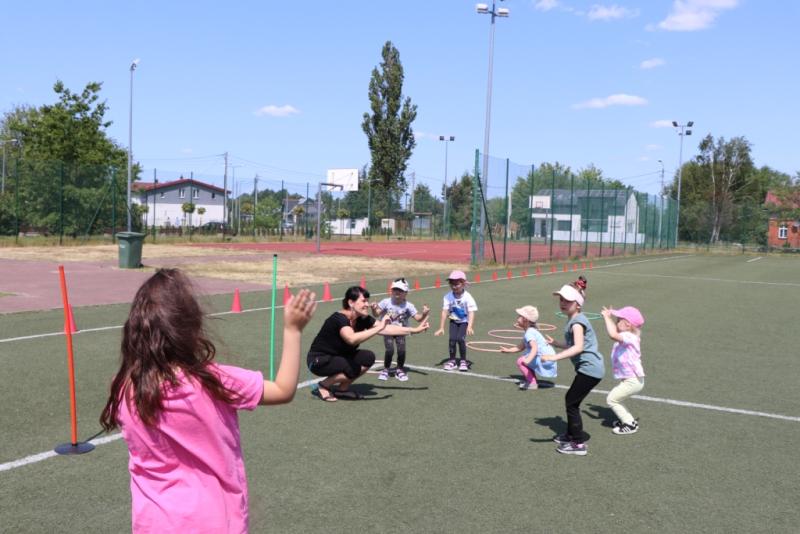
(625, 428)
(401, 375)
(463, 366)
(524, 386)
(450, 365)
(383, 375)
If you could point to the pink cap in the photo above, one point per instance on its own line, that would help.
(457, 275)
(630, 314)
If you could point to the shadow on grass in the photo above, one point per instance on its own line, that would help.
(603, 413)
(556, 424)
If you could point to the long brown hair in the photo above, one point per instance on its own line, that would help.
(164, 333)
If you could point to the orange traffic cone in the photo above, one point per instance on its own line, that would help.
(69, 323)
(509, 274)
(494, 276)
(583, 266)
(477, 278)
(524, 272)
(566, 268)
(326, 293)
(538, 271)
(236, 306)
(591, 265)
(363, 282)
(438, 282)
(574, 267)
(286, 294)
(552, 268)
(416, 284)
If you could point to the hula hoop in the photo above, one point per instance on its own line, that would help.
(592, 316)
(472, 345)
(518, 333)
(544, 327)
(548, 339)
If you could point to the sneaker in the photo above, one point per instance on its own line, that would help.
(616, 423)
(463, 366)
(625, 428)
(450, 365)
(561, 439)
(524, 386)
(401, 375)
(383, 375)
(578, 449)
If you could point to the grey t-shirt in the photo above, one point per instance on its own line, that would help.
(590, 361)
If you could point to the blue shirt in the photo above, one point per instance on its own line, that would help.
(544, 369)
(590, 361)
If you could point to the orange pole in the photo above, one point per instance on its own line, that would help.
(73, 410)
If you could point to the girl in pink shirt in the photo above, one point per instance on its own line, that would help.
(624, 327)
(177, 409)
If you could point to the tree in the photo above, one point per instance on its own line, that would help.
(388, 128)
(201, 211)
(187, 208)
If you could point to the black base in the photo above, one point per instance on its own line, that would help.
(77, 448)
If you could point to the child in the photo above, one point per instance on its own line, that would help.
(398, 309)
(581, 347)
(177, 409)
(534, 346)
(626, 361)
(460, 307)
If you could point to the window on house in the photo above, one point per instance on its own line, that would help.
(352, 224)
(783, 231)
(213, 195)
(182, 193)
(196, 193)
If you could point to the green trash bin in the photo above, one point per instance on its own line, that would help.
(130, 249)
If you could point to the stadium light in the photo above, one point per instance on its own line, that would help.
(483, 9)
(682, 132)
(134, 64)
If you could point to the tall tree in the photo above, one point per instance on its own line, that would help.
(388, 127)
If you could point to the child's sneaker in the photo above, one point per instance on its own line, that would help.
(450, 365)
(625, 428)
(401, 375)
(578, 449)
(524, 386)
(616, 423)
(383, 375)
(463, 366)
(561, 439)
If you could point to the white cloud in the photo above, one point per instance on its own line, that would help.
(419, 134)
(277, 111)
(612, 12)
(612, 100)
(693, 15)
(545, 5)
(651, 63)
(661, 124)
(652, 147)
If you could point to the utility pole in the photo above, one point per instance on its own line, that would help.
(413, 188)
(225, 198)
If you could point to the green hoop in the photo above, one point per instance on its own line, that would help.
(592, 316)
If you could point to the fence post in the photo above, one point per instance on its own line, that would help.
(552, 211)
(61, 204)
(614, 229)
(571, 203)
(603, 222)
(588, 206)
(473, 226)
(505, 232)
(530, 212)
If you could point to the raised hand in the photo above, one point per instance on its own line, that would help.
(299, 310)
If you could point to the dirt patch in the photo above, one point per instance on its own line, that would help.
(109, 252)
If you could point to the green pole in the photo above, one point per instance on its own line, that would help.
(155, 199)
(636, 225)
(473, 226)
(113, 204)
(552, 210)
(588, 205)
(505, 233)
(61, 204)
(614, 229)
(530, 211)
(625, 225)
(571, 204)
(603, 222)
(272, 318)
(16, 200)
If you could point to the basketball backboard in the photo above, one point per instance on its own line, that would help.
(346, 178)
(541, 202)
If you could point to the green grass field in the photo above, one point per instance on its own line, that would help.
(465, 452)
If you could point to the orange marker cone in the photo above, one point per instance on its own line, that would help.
(477, 278)
(236, 306)
(552, 268)
(583, 266)
(363, 282)
(326, 293)
(416, 284)
(509, 274)
(591, 265)
(524, 272)
(286, 294)
(438, 282)
(494, 276)
(574, 267)
(538, 271)
(566, 268)
(70, 322)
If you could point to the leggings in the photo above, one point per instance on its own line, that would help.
(388, 343)
(580, 387)
(458, 333)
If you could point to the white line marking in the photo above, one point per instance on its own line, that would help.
(114, 437)
(250, 310)
(755, 259)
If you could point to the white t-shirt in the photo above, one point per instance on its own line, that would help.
(459, 307)
(398, 313)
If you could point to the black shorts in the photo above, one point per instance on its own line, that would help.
(327, 365)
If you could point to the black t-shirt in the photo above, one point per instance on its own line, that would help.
(329, 339)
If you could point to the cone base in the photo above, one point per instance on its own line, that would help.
(77, 448)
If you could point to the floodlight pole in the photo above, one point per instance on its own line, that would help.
(682, 130)
(483, 10)
(446, 139)
(661, 214)
(319, 206)
(134, 64)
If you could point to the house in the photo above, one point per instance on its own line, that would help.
(348, 226)
(610, 216)
(165, 202)
(784, 219)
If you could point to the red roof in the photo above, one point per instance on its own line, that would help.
(792, 201)
(150, 186)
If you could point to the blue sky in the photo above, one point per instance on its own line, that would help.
(282, 86)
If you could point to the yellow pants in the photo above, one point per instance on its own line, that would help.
(623, 390)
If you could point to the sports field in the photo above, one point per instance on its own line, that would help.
(468, 452)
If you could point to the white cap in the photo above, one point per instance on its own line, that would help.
(570, 293)
(401, 284)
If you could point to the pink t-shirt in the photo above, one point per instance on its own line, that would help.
(187, 473)
(626, 357)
